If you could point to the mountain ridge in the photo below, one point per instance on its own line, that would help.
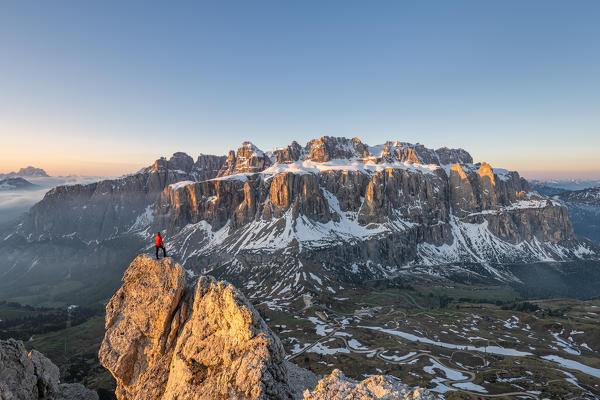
(333, 213)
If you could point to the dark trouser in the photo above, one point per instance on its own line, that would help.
(163, 249)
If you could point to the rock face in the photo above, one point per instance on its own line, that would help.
(167, 340)
(26, 376)
(340, 209)
(172, 336)
(338, 387)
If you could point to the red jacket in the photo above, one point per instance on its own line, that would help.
(159, 241)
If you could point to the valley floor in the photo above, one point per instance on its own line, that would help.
(461, 341)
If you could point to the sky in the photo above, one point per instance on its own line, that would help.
(104, 88)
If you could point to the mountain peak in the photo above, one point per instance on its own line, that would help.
(27, 172)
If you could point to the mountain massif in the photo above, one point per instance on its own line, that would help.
(316, 217)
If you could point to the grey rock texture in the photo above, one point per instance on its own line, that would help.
(31, 376)
(75, 391)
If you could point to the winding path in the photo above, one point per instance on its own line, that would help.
(379, 350)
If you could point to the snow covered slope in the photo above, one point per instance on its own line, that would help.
(316, 217)
(338, 210)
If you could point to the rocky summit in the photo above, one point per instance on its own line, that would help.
(173, 335)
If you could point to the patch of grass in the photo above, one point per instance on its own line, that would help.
(76, 340)
(48, 295)
(489, 294)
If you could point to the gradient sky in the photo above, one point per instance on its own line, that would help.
(104, 87)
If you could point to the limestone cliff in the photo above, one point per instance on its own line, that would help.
(345, 211)
(170, 335)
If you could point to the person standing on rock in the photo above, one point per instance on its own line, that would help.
(160, 245)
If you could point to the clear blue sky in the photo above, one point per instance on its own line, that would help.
(105, 87)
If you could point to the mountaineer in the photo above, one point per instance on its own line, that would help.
(160, 245)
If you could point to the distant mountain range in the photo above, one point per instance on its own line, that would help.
(28, 172)
(16, 184)
(551, 187)
(332, 213)
(584, 210)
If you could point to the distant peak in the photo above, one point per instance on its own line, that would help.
(29, 172)
(486, 170)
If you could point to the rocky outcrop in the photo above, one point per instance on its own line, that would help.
(169, 340)
(338, 387)
(329, 148)
(343, 210)
(29, 376)
(109, 208)
(172, 336)
(421, 203)
(290, 154)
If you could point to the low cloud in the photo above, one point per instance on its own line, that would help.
(14, 203)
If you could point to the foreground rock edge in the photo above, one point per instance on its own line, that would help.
(25, 376)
